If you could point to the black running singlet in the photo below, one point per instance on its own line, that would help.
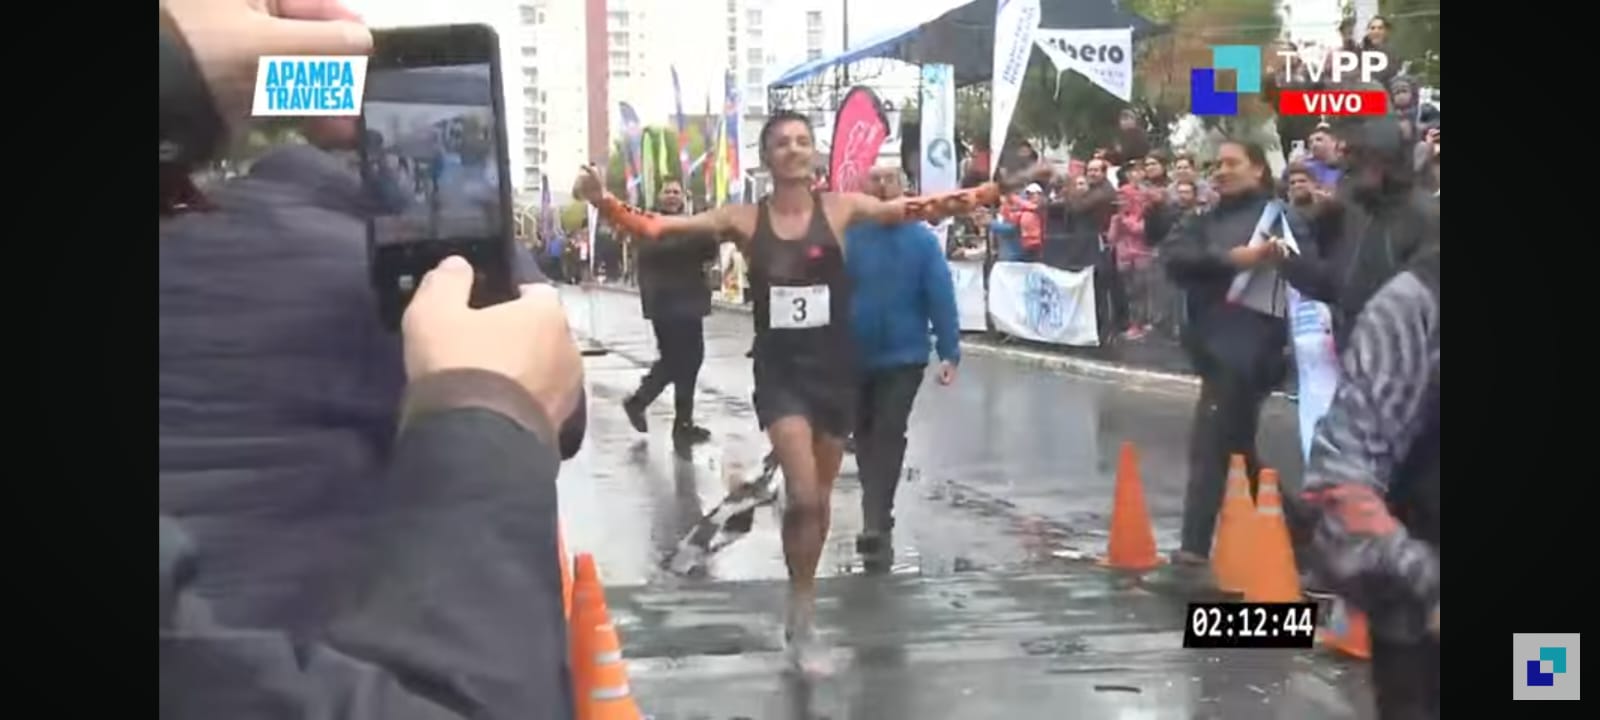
(802, 296)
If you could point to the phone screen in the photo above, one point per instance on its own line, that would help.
(434, 159)
(431, 154)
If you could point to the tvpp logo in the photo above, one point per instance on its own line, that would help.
(1545, 666)
(1244, 61)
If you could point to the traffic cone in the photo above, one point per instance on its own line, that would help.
(609, 696)
(1272, 576)
(1230, 559)
(1347, 632)
(599, 677)
(588, 611)
(1133, 540)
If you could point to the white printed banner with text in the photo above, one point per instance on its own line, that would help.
(1037, 302)
(1105, 57)
(1015, 22)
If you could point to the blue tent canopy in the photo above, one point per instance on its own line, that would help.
(961, 33)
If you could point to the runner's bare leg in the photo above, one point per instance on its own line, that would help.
(805, 529)
(806, 510)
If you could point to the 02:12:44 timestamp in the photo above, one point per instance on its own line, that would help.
(1263, 625)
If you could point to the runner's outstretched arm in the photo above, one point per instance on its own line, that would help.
(931, 208)
(714, 223)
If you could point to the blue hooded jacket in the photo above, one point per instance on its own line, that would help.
(902, 284)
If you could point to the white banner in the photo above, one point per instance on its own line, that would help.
(1015, 22)
(971, 306)
(936, 172)
(1103, 56)
(1037, 302)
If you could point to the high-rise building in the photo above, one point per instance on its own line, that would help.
(553, 91)
(772, 36)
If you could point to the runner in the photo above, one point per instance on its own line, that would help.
(804, 361)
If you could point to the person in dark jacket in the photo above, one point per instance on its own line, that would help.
(902, 286)
(458, 612)
(487, 390)
(676, 298)
(1088, 215)
(1236, 347)
(1372, 486)
(279, 387)
(1372, 227)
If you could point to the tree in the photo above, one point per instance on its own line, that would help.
(573, 215)
(1415, 36)
(1162, 64)
(695, 186)
(972, 112)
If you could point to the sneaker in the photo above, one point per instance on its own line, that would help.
(876, 550)
(805, 652)
(688, 432)
(635, 413)
(1134, 333)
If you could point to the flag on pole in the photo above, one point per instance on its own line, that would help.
(1015, 22)
(547, 211)
(730, 133)
(683, 135)
(648, 169)
(709, 126)
(633, 135)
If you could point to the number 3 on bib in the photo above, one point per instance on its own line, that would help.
(798, 308)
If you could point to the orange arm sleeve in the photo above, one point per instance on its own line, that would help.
(933, 208)
(631, 219)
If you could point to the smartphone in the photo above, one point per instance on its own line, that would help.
(435, 162)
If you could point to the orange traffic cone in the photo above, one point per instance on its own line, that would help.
(1230, 559)
(1272, 576)
(1346, 632)
(599, 678)
(588, 611)
(566, 575)
(609, 697)
(1133, 539)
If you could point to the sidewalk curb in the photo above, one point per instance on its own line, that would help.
(1085, 367)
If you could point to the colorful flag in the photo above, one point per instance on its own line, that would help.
(633, 136)
(730, 131)
(648, 169)
(683, 136)
(709, 134)
(721, 192)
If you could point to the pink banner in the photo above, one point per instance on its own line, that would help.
(858, 134)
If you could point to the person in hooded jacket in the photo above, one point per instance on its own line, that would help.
(1238, 348)
(475, 448)
(1373, 226)
(1372, 487)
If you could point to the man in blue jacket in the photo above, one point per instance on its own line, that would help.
(902, 285)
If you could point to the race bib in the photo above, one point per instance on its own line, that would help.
(797, 308)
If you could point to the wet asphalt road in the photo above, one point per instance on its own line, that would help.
(991, 612)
